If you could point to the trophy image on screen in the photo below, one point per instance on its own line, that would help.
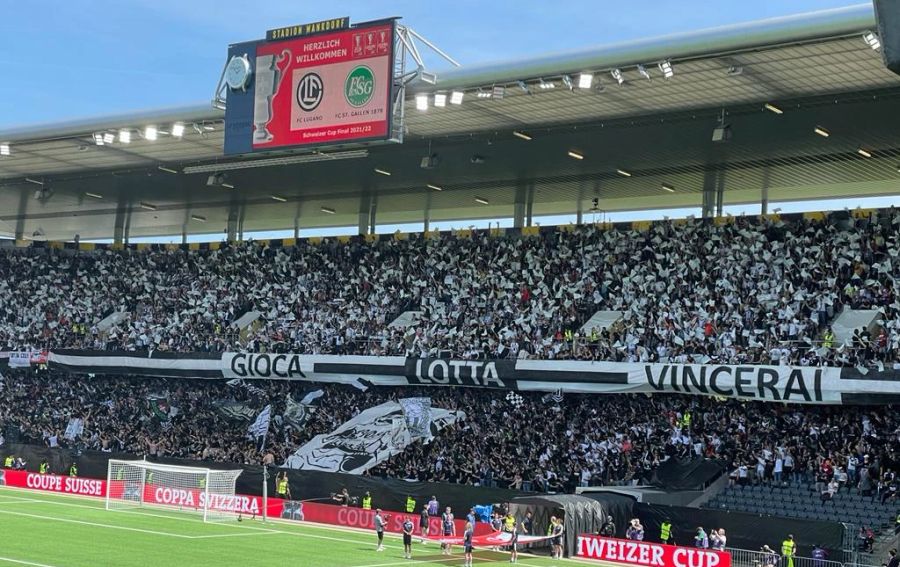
(268, 79)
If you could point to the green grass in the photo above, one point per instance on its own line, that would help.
(50, 530)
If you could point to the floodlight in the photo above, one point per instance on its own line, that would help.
(585, 80)
(617, 75)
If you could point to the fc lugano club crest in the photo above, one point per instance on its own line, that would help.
(310, 90)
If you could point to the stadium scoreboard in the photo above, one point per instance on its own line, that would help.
(310, 85)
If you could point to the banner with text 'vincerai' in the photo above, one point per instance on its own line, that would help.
(784, 384)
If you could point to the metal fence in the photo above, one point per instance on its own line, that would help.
(747, 558)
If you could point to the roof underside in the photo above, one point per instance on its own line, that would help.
(658, 130)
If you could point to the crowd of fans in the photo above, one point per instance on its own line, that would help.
(694, 291)
(543, 444)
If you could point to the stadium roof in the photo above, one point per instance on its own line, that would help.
(814, 70)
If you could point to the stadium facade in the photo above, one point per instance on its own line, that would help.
(804, 104)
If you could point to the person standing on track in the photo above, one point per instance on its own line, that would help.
(423, 523)
(448, 529)
(556, 530)
(379, 529)
(467, 541)
(513, 547)
(407, 538)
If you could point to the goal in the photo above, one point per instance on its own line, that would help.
(207, 492)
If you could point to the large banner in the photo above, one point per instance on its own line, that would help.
(23, 359)
(646, 554)
(373, 436)
(325, 88)
(784, 384)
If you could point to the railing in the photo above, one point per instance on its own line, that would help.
(747, 558)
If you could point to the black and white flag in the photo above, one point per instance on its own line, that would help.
(297, 414)
(260, 427)
(254, 390)
(515, 399)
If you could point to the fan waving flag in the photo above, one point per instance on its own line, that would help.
(260, 427)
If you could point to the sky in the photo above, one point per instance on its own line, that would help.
(83, 58)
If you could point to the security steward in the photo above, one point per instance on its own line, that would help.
(665, 532)
(410, 504)
(367, 501)
(788, 550)
(282, 490)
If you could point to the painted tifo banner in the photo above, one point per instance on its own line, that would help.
(647, 554)
(373, 436)
(784, 384)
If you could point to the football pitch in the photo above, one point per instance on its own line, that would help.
(51, 530)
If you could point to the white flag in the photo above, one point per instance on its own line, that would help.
(260, 426)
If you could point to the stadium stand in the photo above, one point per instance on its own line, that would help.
(749, 291)
(544, 444)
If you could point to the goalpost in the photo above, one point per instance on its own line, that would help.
(208, 492)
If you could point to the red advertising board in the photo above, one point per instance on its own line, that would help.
(359, 518)
(326, 88)
(181, 498)
(54, 483)
(195, 498)
(647, 554)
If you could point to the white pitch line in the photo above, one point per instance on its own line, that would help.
(18, 501)
(21, 562)
(244, 534)
(95, 524)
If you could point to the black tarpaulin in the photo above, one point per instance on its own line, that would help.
(580, 514)
(686, 474)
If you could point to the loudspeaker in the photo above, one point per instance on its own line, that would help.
(887, 18)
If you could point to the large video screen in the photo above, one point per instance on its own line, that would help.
(310, 91)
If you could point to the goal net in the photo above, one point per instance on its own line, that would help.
(207, 492)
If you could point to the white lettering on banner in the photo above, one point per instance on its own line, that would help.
(355, 518)
(221, 502)
(44, 482)
(439, 371)
(67, 484)
(85, 486)
(174, 496)
(647, 554)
